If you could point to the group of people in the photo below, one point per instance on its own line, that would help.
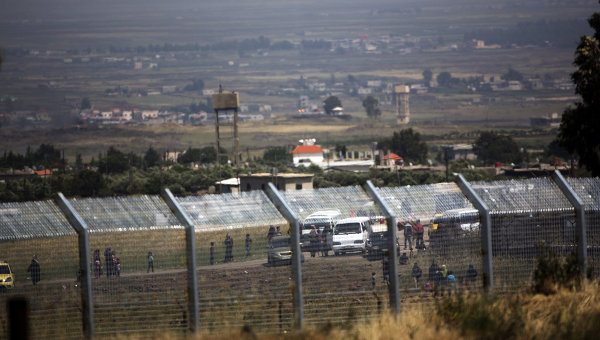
(228, 242)
(112, 261)
(441, 278)
(413, 228)
(320, 242)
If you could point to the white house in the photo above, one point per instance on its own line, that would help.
(307, 154)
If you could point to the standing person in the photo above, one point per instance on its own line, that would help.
(373, 280)
(228, 248)
(315, 241)
(419, 230)
(34, 270)
(97, 267)
(248, 244)
(116, 264)
(150, 262)
(432, 271)
(108, 261)
(270, 233)
(212, 253)
(327, 241)
(97, 263)
(278, 232)
(385, 264)
(416, 274)
(408, 234)
(471, 275)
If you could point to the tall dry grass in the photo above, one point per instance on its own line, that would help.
(566, 314)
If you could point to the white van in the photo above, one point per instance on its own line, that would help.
(321, 220)
(351, 234)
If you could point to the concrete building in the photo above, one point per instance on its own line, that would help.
(307, 154)
(284, 182)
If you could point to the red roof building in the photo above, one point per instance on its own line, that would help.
(307, 154)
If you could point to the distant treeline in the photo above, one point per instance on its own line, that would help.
(564, 33)
(245, 45)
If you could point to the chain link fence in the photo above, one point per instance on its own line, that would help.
(241, 254)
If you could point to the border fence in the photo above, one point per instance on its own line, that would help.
(279, 260)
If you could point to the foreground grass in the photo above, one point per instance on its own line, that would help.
(567, 314)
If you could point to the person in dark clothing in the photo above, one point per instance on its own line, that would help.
(34, 270)
(403, 259)
(416, 274)
(248, 244)
(212, 253)
(108, 260)
(270, 233)
(150, 262)
(471, 275)
(228, 248)
(432, 270)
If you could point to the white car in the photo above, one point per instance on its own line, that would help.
(351, 234)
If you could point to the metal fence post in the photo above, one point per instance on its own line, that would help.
(581, 225)
(192, 275)
(390, 217)
(486, 232)
(292, 218)
(84, 263)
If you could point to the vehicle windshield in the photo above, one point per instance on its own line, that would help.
(280, 242)
(347, 228)
(4, 269)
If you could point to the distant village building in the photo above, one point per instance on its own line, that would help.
(307, 153)
(460, 152)
(283, 182)
(552, 120)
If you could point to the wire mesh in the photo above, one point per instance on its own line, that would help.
(138, 262)
(233, 210)
(38, 252)
(243, 279)
(443, 228)
(250, 283)
(528, 216)
(588, 189)
(337, 288)
(39, 219)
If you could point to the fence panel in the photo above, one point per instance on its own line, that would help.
(443, 238)
(247, 285)
(337, 289)
(240, 284)
(588, 190)
(526, 214)
(138, 255)
(40, 247)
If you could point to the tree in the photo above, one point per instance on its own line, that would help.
(277, 155)
(492, 147)
(580, 126)
(371, 106)
(115, 162)
(152, 157)
(406, 143)
(85, 103)
(427, 77)
(330, 103)
(512, 74)
(444, 79)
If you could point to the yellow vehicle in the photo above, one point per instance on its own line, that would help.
(7, 279)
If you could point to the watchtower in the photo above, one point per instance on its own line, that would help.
(402, 107)
(227, 104)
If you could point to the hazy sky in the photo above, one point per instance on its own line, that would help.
(77, 23)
